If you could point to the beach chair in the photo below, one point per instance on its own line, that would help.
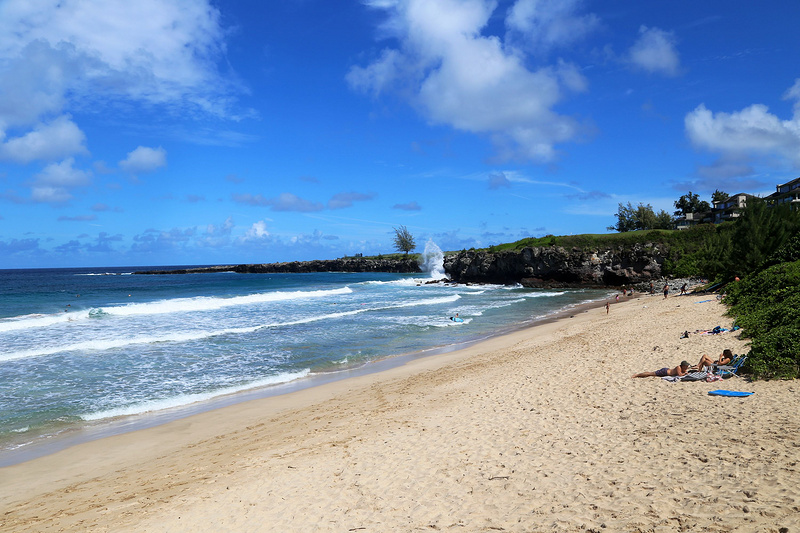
(727, 371)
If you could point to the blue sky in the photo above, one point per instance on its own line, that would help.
(164, 132)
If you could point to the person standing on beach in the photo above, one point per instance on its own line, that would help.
(683, 289)
(666, 290)
(652, 288)
(607, 307)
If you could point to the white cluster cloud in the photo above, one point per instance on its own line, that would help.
(144, 159)
(225, 229)
(148, 50)
(543, 24)
(478, 83)
(655, 52)
(54, 183)
(62, 55)
(48, 142)
(257, 231)
(751, 132)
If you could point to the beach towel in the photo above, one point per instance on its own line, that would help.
(692, 376)
(695, 376)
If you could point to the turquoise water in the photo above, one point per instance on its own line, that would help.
(79, 346)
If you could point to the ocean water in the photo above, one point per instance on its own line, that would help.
(100, 345)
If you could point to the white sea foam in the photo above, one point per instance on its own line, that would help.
(173, 305)
(40, 321)
(187, 399)
(404, 282)
(205, 303)
(106, 274)
(543, 294)
(428, 301)
(96, 345)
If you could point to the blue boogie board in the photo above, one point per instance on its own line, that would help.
(722, 392)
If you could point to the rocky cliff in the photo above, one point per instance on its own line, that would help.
(559, 267)
(533, 267)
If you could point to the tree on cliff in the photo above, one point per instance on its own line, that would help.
(641, 217)
(691, 203)
(403, 240)
(719, 196)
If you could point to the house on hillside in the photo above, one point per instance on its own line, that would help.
(789, 192)
(731, 208)
(688, 220)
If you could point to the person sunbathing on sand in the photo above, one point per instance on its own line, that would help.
(680, 370)
(724, 359)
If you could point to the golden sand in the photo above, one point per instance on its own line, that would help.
(542, 429)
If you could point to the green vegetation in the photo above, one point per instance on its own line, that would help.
(641, 217)
(390, 257)
(691, 203)
(403, 240)
(767, 307)
(719, 196)
(679, 243)
(737, 249)
(761, 247)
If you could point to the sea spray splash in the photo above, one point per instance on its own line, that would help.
(432, 260)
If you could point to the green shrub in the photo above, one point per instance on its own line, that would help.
(775, 353)
(767, 308)
(785, 254)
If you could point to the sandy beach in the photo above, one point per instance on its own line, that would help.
(541, 429)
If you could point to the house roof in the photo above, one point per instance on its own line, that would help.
(788, 182)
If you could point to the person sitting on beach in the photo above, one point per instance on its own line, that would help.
(724, 359)
(680, 370)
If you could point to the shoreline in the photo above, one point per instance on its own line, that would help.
(89, 430)
(540, 428)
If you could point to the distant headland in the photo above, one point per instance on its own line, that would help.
(346, 264)
(547, 266)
